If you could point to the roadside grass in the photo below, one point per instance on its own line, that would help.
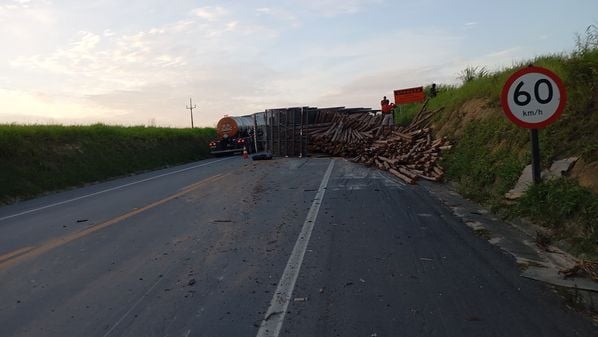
(35, 159)
(486, 162)
(490, 152)
(568, 210)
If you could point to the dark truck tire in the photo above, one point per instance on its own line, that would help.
(262, 156)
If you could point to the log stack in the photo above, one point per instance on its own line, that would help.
(409, 153)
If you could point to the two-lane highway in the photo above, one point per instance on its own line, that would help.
(289, 247)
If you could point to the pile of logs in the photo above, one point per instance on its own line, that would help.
(408, 152)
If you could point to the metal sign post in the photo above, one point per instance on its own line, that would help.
(536, 169)
(533, 98)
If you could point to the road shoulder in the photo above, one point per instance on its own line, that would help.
(518, 238)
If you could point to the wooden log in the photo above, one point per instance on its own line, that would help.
(406, 172)
(405, 178)
(402, 135)
(388, 160)
(430, 178)
(437, 170)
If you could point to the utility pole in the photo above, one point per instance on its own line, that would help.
(191, 107)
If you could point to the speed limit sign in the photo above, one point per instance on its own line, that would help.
(533, 97)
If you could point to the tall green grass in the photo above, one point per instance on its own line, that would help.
(38, 158)
(568, 210)
(487, 160)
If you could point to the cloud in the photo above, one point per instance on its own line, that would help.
(217, 89)
(108, 33)
(231, 61)
(367, 88)
(335, 7)
(281, 14)
(15, 4)
(39, 107)
(26, 12)
(147, 74)
(107, 63)
(344, 60)
(151, 73)
(470, 25)
(210, 13)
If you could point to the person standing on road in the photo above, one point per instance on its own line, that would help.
(387, 109)
(433, 90)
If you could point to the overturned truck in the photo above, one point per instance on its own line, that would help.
(234, 134)
(281, 132)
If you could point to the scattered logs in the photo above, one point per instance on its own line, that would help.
(409, 152)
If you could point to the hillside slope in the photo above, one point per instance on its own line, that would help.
(490, 152)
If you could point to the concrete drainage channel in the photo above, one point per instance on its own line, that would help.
(518, 239)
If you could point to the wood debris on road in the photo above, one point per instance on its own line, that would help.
(410, 152)
(587, 267)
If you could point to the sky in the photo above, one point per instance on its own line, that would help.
(138, 62)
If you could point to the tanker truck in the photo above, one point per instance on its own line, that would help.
(234, 134)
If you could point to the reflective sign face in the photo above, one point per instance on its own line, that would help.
(409, 95)
(533, 97)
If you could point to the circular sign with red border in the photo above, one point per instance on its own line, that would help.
(533, 97)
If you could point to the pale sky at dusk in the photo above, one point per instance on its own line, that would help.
(138, 62)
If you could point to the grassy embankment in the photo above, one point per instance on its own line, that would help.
(38, 158)
(490, 152)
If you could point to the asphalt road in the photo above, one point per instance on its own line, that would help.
(289, 247)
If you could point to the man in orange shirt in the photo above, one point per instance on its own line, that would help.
(387, 108)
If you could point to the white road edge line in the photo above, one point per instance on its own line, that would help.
(109, 189)
(274, 318)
